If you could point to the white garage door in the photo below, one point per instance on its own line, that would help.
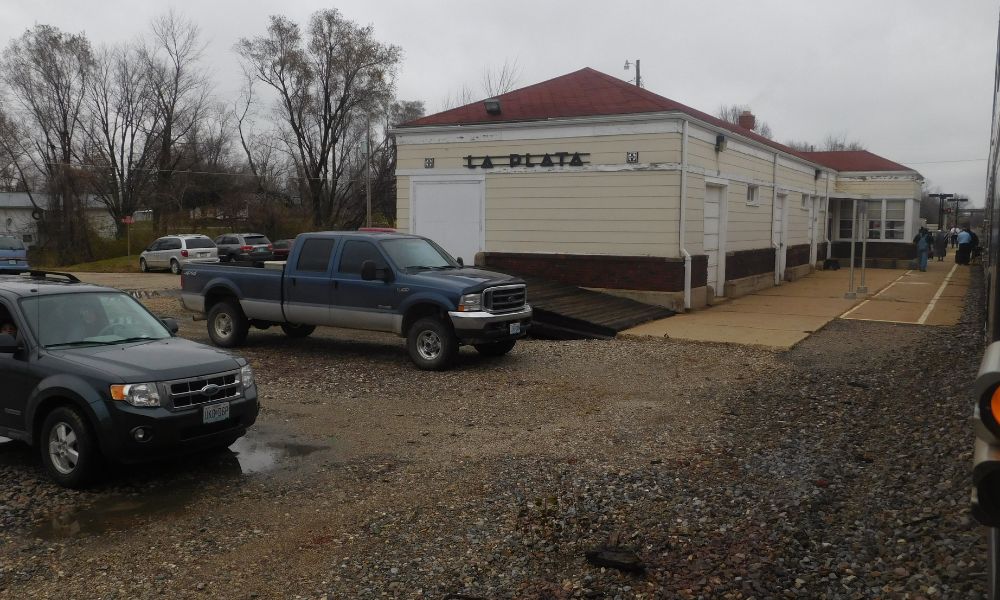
(451, 214)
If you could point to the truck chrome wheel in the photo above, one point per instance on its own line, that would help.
(223, 325)
(63, 448)
(429, 345)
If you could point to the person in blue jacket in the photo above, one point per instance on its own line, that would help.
(964, 246)
(923, 240)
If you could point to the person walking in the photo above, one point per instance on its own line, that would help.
(964, 246)
(954, 236)
(941, 244)
(923, 240)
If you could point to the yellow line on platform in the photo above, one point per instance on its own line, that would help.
(892, 283)
(930, 307)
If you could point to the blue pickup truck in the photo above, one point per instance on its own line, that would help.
(375, 281)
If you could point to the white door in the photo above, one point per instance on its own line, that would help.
(451, 214)
(714, 237)
(779, 232)
(813, 220)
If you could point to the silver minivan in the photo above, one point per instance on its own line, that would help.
(174, 252)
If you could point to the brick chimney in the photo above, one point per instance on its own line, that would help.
(747, 120)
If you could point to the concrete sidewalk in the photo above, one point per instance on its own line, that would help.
(782, 316)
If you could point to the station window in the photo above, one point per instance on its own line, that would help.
(753, 196)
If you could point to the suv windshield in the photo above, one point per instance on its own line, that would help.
(90, 319)
(200, 243)
(416, 253)
(10, 243)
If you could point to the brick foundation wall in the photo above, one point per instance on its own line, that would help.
(745, 263)
(893, 250)
(797, 255)
(648, 273)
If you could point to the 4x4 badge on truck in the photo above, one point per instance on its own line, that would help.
(210, 389)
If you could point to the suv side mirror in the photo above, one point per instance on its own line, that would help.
(460, 262)
(368, 270)
(8, 345)
(171, 324)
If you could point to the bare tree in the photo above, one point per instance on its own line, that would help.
(179, 85)
(47, 74)
(501, 79)
(801, 146)
(324, 80)
(731, 113)
(839, 141)
(122, 131)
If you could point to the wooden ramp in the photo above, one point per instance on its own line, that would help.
(568, 312)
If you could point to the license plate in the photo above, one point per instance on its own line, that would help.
(12, 262)
(203, 254)
(515, 328)
(215, 412)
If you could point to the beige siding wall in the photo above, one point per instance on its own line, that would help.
(879, 187)
(403, 203)
(603, 150)
(749, 226)
(622, 213)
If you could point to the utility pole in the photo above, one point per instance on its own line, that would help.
(368, 171)
(638, 74)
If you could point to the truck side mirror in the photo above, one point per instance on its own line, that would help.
(8, 345)
(986, 457)
(460, 262)
(368, 270)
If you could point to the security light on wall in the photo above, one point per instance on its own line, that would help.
(492, 106)
(720, 143)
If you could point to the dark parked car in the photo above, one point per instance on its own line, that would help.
(90, 374)
(13, 254)
(239, 246)
(281, 248)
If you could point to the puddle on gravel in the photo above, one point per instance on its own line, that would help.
(120, 512)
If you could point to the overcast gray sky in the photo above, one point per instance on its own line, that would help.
(911, 79)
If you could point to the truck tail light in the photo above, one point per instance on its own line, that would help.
(184, 253)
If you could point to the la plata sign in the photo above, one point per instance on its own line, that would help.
(554, 159)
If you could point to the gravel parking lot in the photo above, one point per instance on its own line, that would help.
(837, 470)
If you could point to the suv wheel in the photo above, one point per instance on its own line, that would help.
(143, 266)
(227, 325)
(297, 331)
(496, 348)
(69, 450)
(175, 267)
(432, 344)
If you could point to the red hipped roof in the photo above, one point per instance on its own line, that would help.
(587, 92)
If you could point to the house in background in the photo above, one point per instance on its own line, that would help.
(592, 181)
(16, 216)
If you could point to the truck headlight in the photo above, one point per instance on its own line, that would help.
(137, 394)
(246, 375)
(471, 303)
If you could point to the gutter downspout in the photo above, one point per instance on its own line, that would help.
(683, 216)
(774, 204)
(826, 224)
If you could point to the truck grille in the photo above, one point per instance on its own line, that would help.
(505, 298)
(208, 388)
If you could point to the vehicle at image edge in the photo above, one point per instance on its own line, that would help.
(398, 283)
(92, 375)
(239, 246)
(174, 252)
(281, 248)
(13, 254)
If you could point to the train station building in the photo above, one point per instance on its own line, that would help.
(591, 181)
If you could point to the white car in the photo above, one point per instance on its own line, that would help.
(174, 252)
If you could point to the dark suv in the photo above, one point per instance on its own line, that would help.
(242, 246)
(89, 374)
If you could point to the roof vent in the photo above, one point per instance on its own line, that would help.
(492, 106)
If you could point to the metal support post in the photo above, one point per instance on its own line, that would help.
(851, 293)
(863, 288)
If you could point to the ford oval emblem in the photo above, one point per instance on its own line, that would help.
(210, 389)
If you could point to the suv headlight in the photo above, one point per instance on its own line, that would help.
(137, 394)
(471, 303)
(246, 375)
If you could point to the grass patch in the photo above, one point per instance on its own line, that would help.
(118, 264)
